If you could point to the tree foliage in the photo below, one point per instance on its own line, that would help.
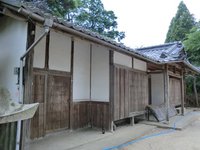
(89, 14)
(61, 7)
(192, 44)
(58, 8)
(92, 15)
(180, 25)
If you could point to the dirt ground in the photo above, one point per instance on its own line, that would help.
(186, 139)
(137, 137)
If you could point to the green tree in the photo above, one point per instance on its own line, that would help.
(58, 8)
(192, 44)
(92, 15)
(180, 25)
(89, 14)
(61, 8)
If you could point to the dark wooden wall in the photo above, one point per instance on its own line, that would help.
(100, 114)
(80, 117)
(130, 92)
(8, 133)
(51, 90)
(175, 91)
(91, 113)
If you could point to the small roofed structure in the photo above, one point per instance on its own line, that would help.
(167, 76)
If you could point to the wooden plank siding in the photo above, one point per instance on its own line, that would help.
(37, 122)
(175, 91)
(80, 114)
(8, 136)
(90, 113)
(100, 114)
(57, 112)
(130, 92)
(51, 89)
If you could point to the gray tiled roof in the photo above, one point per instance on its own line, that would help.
(168, 52)
(160, 54)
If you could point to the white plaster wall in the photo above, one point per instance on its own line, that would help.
(122, 59)
(81, 70)
(13, 37)
(39, 50)
(157, 89)
(100, 74)
(139, 64)
(59, 51)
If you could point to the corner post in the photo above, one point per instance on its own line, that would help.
(111, 108)
(166, 90)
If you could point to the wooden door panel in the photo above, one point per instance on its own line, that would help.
(38, 91)
(57, 115)
(53, 110)
(174, 91)
(130, 92)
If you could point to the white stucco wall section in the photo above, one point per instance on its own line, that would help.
(139, 64)
(122, 59)
(13, 38)
(100, 74)
(157, 89)
(39, 50)
(59, 51)
(81, 70)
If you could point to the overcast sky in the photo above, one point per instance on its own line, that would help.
(146, 22)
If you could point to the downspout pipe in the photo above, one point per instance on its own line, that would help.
(24, 55)
(47, 26)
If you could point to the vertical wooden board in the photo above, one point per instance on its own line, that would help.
(175, 91)
(130, 91)
(170, 91)
(138, 92)
(135, 77)
(100, 117)
(80, 114)
(58, 102)
(122, 84)
(116, 93)
(126, 98)
(41, 131)
(8, 136)
(147, 90)
(37, 122)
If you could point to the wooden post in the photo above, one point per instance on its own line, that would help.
(195, 91)
(166, 91)
(182, 92)
(28, 78)
(111, 106)
(71, 104)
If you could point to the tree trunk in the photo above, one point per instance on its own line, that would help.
(195, 91)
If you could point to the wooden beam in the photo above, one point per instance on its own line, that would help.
(90, 103)
(71, 103)
(166, 91)
(111, 104)
(47, 51)
(182, 93)
(174, 75)
(28, 78)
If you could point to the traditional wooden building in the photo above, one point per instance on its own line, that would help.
(80, 78)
